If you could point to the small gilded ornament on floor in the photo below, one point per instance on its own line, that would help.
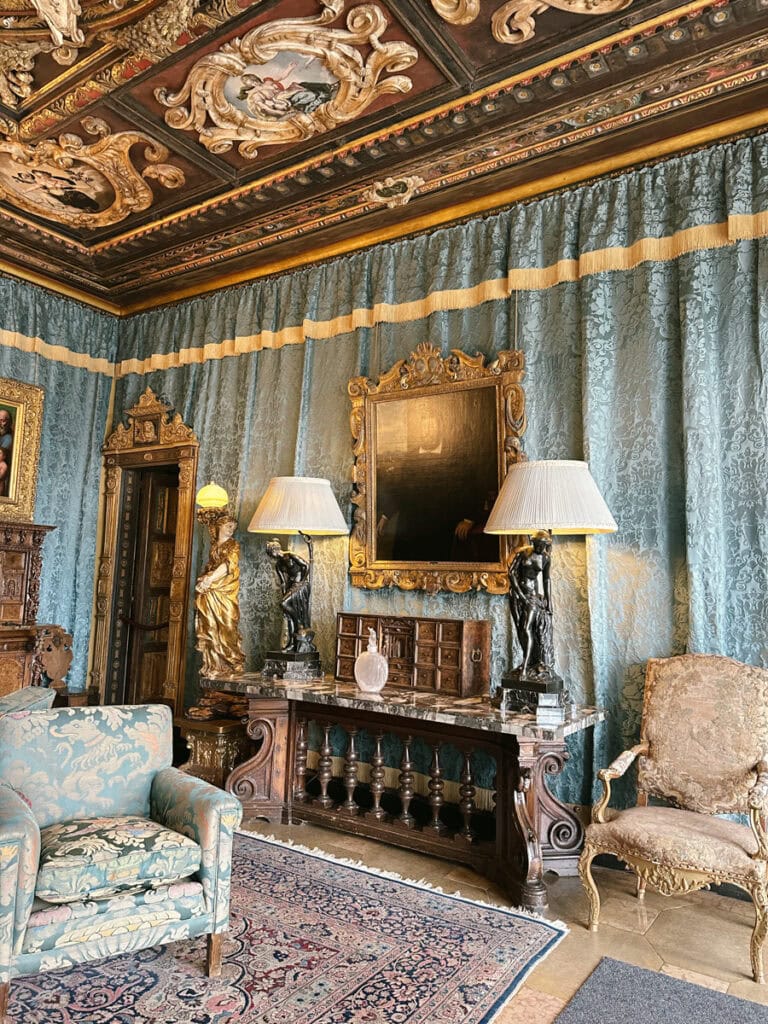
(217, 607)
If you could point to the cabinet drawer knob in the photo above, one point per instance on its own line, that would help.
(476, 655)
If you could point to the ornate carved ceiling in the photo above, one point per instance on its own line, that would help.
(153, 148)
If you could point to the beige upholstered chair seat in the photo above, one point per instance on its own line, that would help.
(682, 839)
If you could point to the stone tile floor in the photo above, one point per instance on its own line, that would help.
(702, 938)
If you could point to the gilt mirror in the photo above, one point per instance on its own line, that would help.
(432, 441)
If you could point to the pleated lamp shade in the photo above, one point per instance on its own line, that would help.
(298, 504)
(556, 495)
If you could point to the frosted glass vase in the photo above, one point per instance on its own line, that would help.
(371, 667)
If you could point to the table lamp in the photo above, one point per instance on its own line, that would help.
(307, 506)
(540, 499)
(212, 504)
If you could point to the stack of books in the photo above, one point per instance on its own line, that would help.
(551, 710)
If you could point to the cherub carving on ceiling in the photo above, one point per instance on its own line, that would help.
(80, 184)
(290, 79)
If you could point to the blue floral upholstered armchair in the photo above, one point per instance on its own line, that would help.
(104, 847)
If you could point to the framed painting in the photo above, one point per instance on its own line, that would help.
(433, 439)
(21, 424)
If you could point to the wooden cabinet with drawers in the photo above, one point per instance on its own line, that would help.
(29, 650)
(451, 656)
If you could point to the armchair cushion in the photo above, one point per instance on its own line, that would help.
(101, 857)
(681, 839)
(29, 698)
(68, 924)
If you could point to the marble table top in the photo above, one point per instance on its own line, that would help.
(467, 712)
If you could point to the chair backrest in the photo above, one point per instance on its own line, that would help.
(705, 718)
(28, 698)
(85, 762)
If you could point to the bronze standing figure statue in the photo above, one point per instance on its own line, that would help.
(530, 605)
(217, 608)
(293, 571)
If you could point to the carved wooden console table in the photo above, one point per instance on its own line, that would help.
(524, 833)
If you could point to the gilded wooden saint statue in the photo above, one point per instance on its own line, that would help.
(217, 609)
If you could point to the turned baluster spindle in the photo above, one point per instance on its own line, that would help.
(299, 789)
(467, 797)
(325, 768)
(377, 779)
(405, 792)
(350, 773)
(436, 786)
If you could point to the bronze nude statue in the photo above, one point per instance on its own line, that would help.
(530, 604)
(293, 571)
(217, 609)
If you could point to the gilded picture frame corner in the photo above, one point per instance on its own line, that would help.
(22, 404)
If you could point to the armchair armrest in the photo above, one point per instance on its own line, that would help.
(19, 863)
(615, 770)
(209, 816)
(758, 804)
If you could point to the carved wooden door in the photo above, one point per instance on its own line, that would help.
(157, 517)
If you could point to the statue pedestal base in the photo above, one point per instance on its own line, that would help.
(521, 693)
(289, 665)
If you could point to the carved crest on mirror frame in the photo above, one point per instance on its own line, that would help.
(290, 79)
(414, 463)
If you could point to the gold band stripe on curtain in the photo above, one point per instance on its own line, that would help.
(701, 237)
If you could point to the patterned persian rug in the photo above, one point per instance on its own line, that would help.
(312, 941)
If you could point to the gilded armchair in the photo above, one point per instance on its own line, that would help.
(703, 749)
(104, 847)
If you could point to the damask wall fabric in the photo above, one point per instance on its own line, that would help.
(640, 303)
(36, 329)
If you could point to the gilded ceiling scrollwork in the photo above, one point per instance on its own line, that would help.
(56, 27)
(290, 79)
(80, 184)
(61, 18)
(156, 35)
(514, 22)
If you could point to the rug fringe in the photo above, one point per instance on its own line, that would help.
(421, 883)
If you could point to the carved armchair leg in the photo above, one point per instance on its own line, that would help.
(640, 888)
(760, 899)
(585, 874)
(213, 959)
(4, 989)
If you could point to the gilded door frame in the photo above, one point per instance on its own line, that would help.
(152, 437)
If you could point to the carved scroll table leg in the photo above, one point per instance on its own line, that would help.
(528, 887)
(560, 831)
(261, 783)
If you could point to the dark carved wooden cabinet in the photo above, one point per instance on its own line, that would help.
(28, 649)
(451, 656)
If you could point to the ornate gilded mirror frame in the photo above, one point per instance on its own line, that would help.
(428, 373)
(153, 437)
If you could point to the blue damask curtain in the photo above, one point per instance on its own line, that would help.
(75, 410)
(653, 371)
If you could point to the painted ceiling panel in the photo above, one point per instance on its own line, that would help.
(149, 147)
